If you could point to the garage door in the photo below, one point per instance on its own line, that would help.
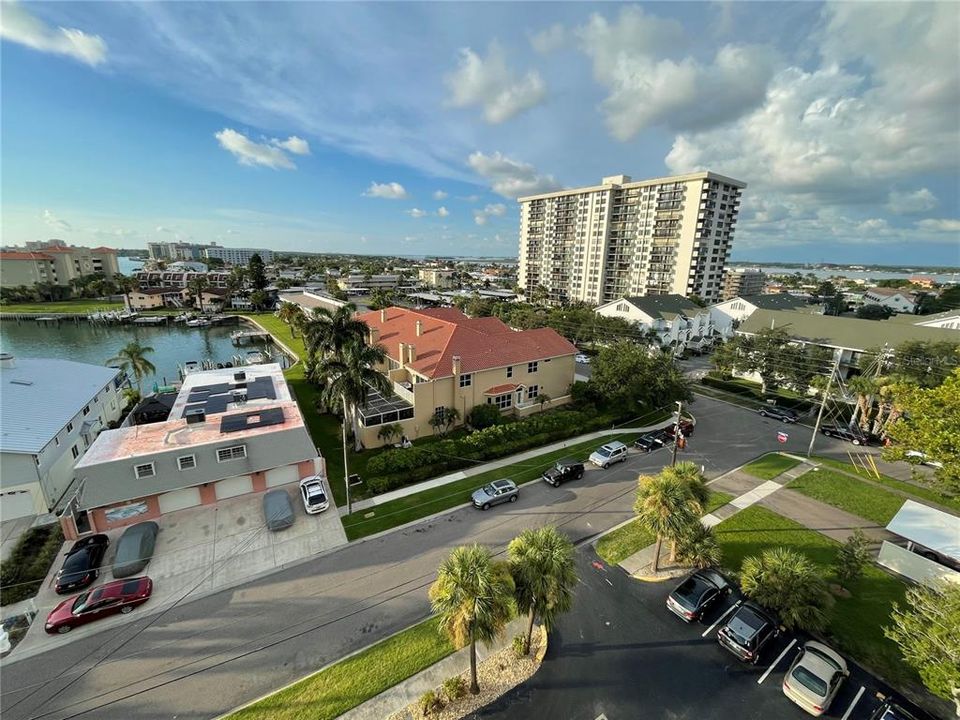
(179, 499)
(16, 504)
(282, 475)
(231, 487)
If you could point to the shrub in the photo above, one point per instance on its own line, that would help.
(851, 558)
(520, 647)
(22, 574)
(430, 702)
(484, 416)
(790, 584)
(454, 688)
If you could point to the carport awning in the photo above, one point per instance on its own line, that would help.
(929, 527)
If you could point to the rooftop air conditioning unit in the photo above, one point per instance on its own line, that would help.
(195, 415)
(240, 376)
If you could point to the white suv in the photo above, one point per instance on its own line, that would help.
(609, 454)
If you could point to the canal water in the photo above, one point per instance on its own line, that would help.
(172, 344)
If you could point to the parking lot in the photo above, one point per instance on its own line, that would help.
(621, 654)
(199, 550)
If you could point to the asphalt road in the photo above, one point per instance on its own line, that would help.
(620, 655)
(206, 656)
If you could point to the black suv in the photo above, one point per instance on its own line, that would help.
(850, 434)
(651, 441)
(563, 470)
(697, 593)
(82, 565)
(779, 413)
(748, 631)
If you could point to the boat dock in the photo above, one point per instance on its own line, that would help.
(243, 336)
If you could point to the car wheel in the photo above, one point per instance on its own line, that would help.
(855, 441)
(513, 498)
(763, 413)
(826, 433)
(126, 609)
(64, 629)
(786, 420)
(580, 475)
(486, 506)
(604, 466)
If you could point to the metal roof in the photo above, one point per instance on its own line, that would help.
(39, 396)
(928, 526)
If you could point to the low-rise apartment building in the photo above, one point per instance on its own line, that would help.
(438, 278)
(230, 432)
(179, 278)
(727, 315)
(898, 301)
(669, 320)
(360, 284)
(738, 282)
(440, 358)
(55, 265)
(51, 411)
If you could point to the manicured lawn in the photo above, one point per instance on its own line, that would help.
(919, 492)
(80, 305)
(769, 466)
(856, 623)
(333, 691)
(412, 507)
(625, 541)
(849, 494)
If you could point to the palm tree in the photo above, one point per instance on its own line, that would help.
(790, 584)
(542, 564)
(865, 388)
(349, 377)
(663, 507)
(327, 332)
(132, 358)
(196, 286)
(542, 399)
(292, 314)
(698, 546)
(689, 474)
(450, 418)
(390, 431)
(473, 598)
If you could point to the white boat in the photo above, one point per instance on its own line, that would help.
(155, 320)
(198, 322)
(255, 357)
(182, 317)
(191, 366)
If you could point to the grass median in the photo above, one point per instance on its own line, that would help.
(340, 687)
(633, 537)
(856, 622)
(849, 494)
(919, 492)
(769, 466)
(427, 502)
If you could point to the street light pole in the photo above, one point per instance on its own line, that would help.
(676, 432)
(823, 404)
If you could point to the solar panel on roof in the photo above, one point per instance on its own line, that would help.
(258, 418)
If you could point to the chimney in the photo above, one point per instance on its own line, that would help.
(383, 315)
(411, 353)
(419, 328)
(456, 365)
(7, 361)
(403, 353)
(374, 336)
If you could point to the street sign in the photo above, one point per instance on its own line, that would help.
(782, 437)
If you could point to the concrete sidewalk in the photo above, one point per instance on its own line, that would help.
(361, 505)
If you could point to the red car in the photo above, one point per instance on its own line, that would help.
(686, 428)
(119, 596)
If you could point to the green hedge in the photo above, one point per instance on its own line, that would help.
(737, 388)
(22, 574)
(399, 467)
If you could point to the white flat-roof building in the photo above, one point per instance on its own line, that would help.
(237, 256)
(51, 412)
(230, 432)
(627, 238)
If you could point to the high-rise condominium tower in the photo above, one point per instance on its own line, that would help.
(624, 238)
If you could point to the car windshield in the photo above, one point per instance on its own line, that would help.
(603, 452)
(80, 602)
(77, 561)
(489, 489)
(810, 681)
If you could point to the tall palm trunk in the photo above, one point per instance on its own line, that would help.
(530, 629)
(656, 554)
(346, 470)
(474, 685)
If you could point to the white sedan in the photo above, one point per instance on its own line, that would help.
(582, 359)
(314, 494)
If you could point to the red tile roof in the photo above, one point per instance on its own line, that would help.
(104, 249)
(59, 250)
(501, 389)
(481, 343)
(13, 255)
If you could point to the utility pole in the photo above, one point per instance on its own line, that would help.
(823, 404)
(676, 432)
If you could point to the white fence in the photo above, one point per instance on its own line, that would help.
(913, 566)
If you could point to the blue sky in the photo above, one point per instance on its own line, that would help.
(411, 128)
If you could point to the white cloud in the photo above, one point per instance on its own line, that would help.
(480, 217)
(19, 26)
(293, 144)
(549, 39)
(56, 223)
(490, 84)
(911, 203)
(387, 191)
(442, 212)
(416, 212)
(511, 178)
(439, 195)
(469, 198)
(646, 91)
(249, 152)
(941, 225)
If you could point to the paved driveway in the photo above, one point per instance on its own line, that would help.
(201, 550)
(621, 655)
